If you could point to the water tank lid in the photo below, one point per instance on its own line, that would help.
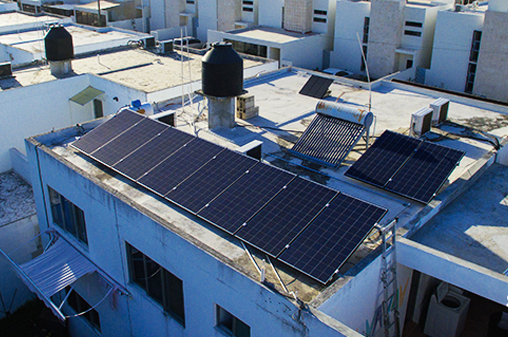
(136, 103)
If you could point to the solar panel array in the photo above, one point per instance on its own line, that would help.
(306, 225)
(316, 87)
(407, 166)
(328, 140)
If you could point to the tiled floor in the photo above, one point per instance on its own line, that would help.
(477, 320)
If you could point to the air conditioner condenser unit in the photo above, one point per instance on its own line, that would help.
(440, 110)
(421, 121)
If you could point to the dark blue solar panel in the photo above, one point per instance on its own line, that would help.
(280, 221)
(129, 141)
(385, 157)
(210, 180)
(316, 86)
(152, 153)
(245, 197)
(107, 131)
(332, 237)
(425, 172)
(177, 167)
(328, 140)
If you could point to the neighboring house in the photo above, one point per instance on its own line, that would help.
(470, 59)
(156, 268)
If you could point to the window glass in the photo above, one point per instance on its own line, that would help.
(67, 215)
(231, 324)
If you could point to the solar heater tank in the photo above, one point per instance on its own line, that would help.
(222, 71)
(345, 112)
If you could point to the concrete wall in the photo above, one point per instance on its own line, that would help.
(111, 223)
(17, 56)
(349, 21)
(492, 74)
(228, 12)
(385, 34)
(450, 55)
(270, 13)
(358, 302)
(207, 10)
(298, 15)
(8, 6)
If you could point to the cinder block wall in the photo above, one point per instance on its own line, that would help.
(385, 35)
(298, 15)
(228, 12)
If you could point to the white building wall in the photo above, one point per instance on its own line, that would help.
(349, 21)
(358, 303)
(207, 10)
(207, 281)
(157, 16)
(452, 45)
(48, 107)
(270, 13)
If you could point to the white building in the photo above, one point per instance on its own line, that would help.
(210, 285)
(394, 35)
(470, 59)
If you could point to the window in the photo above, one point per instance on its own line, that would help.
(190, 2)
(282, 19)
(248, 9)
(248, 2)
(91, 19)
(79, 305)
(162, 286)
(414, 24)
(366, 25)
(412, 33)
(67, 215)
(471, 72)
(362, 67)
(475, 46)
(249, 48)
(409, 64)
(230, 324)
(320, 16)
(248, 6)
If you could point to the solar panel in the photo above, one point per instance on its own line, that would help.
(210, 180)
(180, 165)
(282, 219)
(328, 140)
(128, 141)
(316, 87)
(107, 131)
(332, 237)
(425, 172)
(245, 197)
(152, 153)
(383, 159)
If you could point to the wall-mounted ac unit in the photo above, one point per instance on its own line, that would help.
(166, 46)
(5, 69)
(149, 42)
(421, 121)
(440, 108)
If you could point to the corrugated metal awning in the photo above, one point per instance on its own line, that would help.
(86, 95)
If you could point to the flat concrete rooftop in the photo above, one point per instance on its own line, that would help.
(283, 116)
(474, 226)
(134, 68)
(16, 199)
(33, 41)
(16, 18)
(269, 34)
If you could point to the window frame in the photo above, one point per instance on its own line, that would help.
(232, 328)
(412, 33)
(171, 296)
(70, 217)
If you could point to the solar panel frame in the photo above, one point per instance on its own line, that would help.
(243, 199)
(425, 172)
(200, 188)
(306, 252)
(328, 140)
(316, 86)
(285, 216)
(178, 166)
(152, 153)
(383, 158)
(129, 141)
(107, 131)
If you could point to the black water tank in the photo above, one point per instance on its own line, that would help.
(222, 71)
(58, 43)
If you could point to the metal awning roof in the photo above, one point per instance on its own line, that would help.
(86, 95)
(59, 266)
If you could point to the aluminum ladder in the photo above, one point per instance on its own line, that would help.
(391, 323)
